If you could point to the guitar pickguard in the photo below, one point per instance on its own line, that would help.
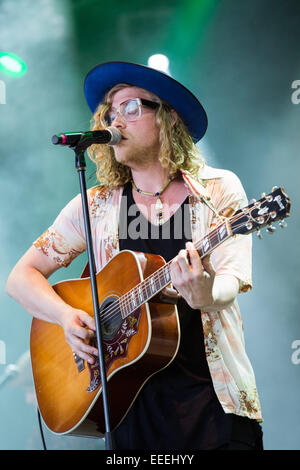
(115, 344)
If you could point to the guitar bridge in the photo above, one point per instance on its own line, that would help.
(79, 362)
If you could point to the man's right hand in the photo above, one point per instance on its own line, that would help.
(79, 328)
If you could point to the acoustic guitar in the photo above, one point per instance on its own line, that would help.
(141, 333)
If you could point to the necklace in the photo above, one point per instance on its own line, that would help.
(158, 204)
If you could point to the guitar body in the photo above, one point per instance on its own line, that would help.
(69, 392)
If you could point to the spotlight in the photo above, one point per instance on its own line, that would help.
(159, 62)
(11, 64)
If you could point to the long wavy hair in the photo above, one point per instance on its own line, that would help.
(177, 149)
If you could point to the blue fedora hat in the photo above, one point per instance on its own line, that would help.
(104, 76)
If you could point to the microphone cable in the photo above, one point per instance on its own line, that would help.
(41, 429)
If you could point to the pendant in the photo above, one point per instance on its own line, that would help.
(159, 214)
(158, 205)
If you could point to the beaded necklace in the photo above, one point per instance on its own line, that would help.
(158, 204)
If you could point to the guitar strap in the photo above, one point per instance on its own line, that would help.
(200, 192)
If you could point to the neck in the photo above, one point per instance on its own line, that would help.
(150, 179)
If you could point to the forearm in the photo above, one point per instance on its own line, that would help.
(224, 291)
(31, 289)
(28, 285)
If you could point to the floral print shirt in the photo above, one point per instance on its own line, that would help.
(231, 371)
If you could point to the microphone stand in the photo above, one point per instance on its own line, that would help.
(80, 165)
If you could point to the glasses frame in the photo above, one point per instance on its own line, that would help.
(140, 101)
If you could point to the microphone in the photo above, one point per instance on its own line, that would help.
(109, 136)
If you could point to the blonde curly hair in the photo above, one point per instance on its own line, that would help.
(177, 149)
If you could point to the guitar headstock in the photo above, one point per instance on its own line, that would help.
(270, 208)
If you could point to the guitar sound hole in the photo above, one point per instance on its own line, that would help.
(111, 318)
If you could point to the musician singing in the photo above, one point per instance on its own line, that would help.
(157, 195)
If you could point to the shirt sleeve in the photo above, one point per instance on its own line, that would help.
(65, 239)
(234, 256)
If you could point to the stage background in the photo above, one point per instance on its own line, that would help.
(242, 60)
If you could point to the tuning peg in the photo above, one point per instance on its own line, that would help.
(259, 235)
(271, 229)
(274, 188)
(263, 194)
(282, 224)
(252, 201)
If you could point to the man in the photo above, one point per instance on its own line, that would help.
(206, 398)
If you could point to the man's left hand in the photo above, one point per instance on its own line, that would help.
(193, 277)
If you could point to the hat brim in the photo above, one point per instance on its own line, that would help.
(105, 76)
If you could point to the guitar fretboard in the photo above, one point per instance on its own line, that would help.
(157, 281)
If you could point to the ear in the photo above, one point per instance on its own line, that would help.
(174, 116)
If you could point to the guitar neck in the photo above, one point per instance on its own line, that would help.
(157, 281)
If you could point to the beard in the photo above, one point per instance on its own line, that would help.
(136, 156)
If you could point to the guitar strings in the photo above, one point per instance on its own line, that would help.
(113, 309)
(125, 301)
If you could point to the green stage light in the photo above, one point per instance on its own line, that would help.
(12, 65)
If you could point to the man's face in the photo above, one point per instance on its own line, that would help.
(140, 143)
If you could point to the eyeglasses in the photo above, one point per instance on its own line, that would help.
(130, 110)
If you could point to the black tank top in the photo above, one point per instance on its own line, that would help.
(177, 408)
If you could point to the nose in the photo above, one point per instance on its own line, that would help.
(118, 121)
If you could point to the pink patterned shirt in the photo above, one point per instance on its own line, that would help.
(229, 365)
